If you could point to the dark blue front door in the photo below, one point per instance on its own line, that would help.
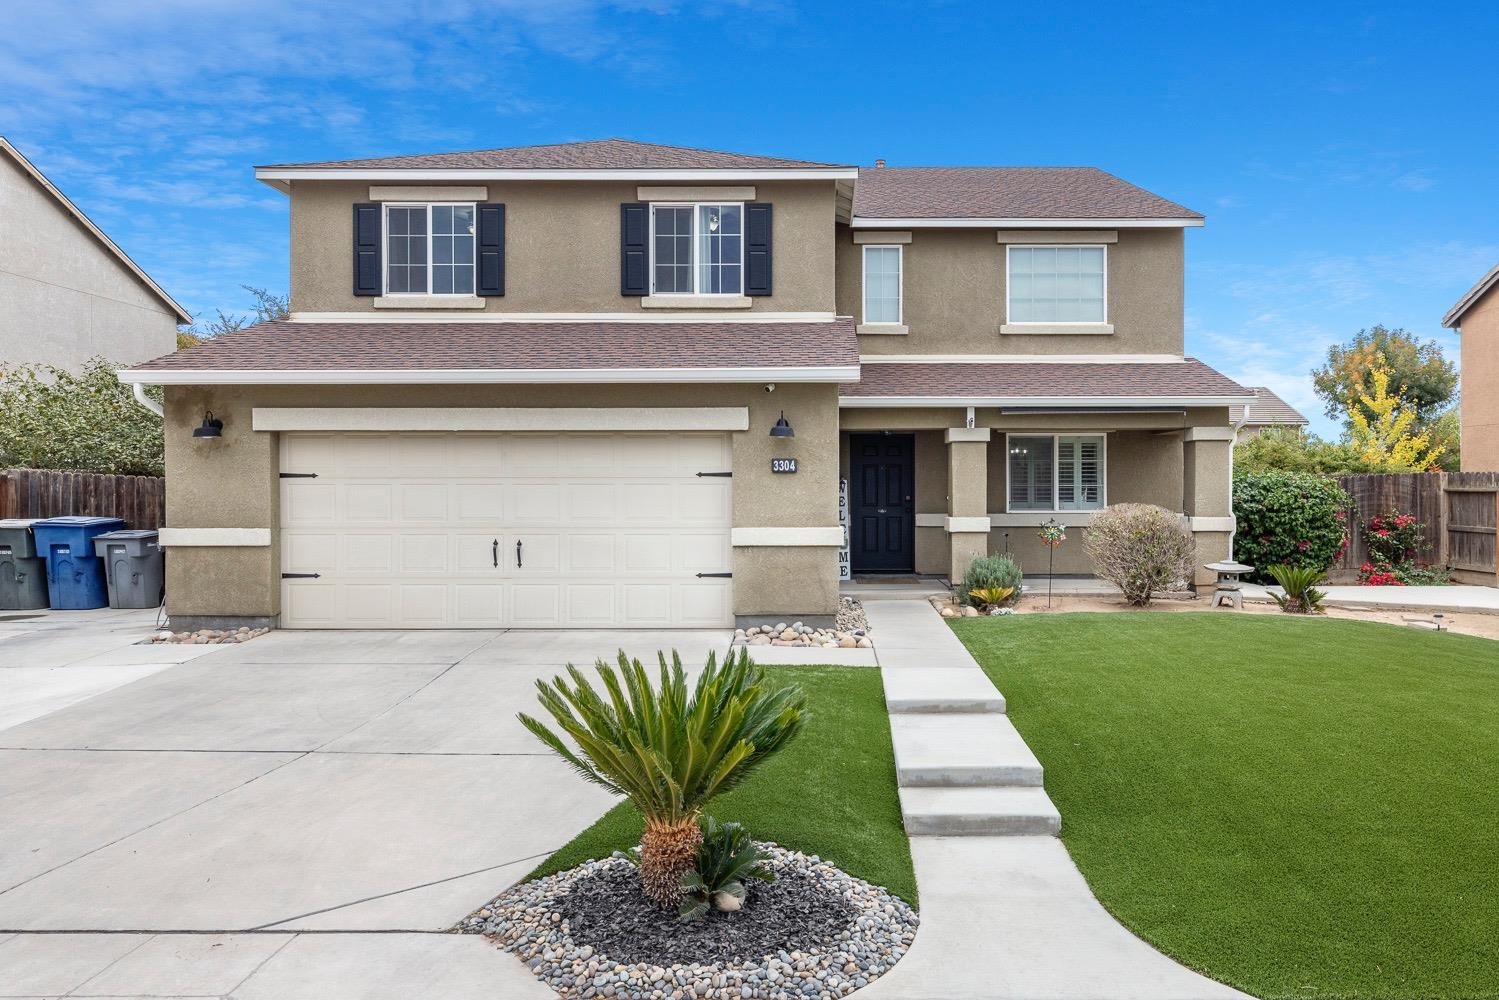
(882, 508)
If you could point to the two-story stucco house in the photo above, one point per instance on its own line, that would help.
(619, 384)
(67, 292)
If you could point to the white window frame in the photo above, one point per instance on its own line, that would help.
(1056, 480)
(1011, 247)
(385, 208)
(900, 253)
(695, 205)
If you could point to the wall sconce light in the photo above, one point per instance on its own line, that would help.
(782, 429)
(211, 427)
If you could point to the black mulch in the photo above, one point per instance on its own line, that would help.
(792, 913)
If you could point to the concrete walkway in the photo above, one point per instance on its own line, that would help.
(1005, 915)
(1455, 599)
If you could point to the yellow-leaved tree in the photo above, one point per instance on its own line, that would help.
(1385, 440)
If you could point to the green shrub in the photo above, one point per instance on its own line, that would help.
(1142, 549)
(989, 573)
(84, 422)
(667, 750)
(1301, 597)
(1289, 518)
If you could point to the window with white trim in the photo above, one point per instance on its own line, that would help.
(697, 249)
(882, 284)
(1057, 284)
(1055, 472)
(429, 249)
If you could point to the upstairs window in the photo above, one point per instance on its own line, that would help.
(1056, 284)
(1055, 472)
(429, 249)
(882, 272)
(697, 249)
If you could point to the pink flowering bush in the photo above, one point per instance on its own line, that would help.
(1396, 543)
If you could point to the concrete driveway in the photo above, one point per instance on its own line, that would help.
(198, 828)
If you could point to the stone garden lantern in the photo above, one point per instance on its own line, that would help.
(1228, 589)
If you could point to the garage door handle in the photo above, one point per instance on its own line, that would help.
(495, 553)
(723, 575)
(518, 563)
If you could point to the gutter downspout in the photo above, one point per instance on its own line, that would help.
(139, 392)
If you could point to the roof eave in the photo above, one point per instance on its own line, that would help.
(851, 402)
(488, 376)
(281, 177)
(871, 222)
(1454, 316)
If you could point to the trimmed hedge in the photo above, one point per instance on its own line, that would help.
(1296, 518)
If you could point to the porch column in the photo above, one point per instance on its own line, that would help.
(967, 497)
(1207, 493)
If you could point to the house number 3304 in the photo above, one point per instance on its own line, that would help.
(783, 465)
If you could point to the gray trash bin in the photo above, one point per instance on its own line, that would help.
(132, 567)
(23, 574)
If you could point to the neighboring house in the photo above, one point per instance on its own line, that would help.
(1267, 410)
(1476, 318)
(545, 387)
(67, 292)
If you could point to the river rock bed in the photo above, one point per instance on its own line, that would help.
(208, 636)
(816, 933)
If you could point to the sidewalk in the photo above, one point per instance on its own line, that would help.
(1459, 598)
(1003, 917)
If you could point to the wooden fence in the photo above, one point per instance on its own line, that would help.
(140, 500)
(1457, 509)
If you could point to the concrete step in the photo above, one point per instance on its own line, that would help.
(961, 750)
(940, 689)
(1011, 812)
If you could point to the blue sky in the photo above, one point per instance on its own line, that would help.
(1345, 155)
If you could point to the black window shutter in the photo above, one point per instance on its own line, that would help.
(634, 253)
(757, 229)
(491, 278)
(366, 249)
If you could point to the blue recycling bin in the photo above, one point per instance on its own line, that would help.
(75, 575)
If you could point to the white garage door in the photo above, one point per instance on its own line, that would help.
(515, 530)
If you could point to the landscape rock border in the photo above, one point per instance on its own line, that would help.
(850, 631)
(206, 636)
(526, 921)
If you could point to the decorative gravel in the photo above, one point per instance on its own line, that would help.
(815, 933)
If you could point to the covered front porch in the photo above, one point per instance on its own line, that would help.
(930, 488)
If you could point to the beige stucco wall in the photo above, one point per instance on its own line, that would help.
(561, 247)
(954, 296)
(64, 297)
(1480, 385)
(232, 482)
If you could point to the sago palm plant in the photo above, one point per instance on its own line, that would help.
(1301, 597)
(669, 751)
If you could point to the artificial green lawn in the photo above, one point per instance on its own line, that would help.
(1302, 808)
(830, 792)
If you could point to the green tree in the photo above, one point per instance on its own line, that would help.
(1427, 379)
(1285, 449)
(87, 422)
(268, 306)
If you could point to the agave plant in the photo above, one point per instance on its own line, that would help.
(726, 859)
(669, 751)
(1301, 596)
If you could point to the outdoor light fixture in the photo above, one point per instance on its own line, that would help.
(782, 429)
(211, 427)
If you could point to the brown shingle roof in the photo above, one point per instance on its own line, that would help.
(1470, 298)
(285, 345)
(1268, 408)
(597, 154)
(1006, 193)
(1040, 380)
